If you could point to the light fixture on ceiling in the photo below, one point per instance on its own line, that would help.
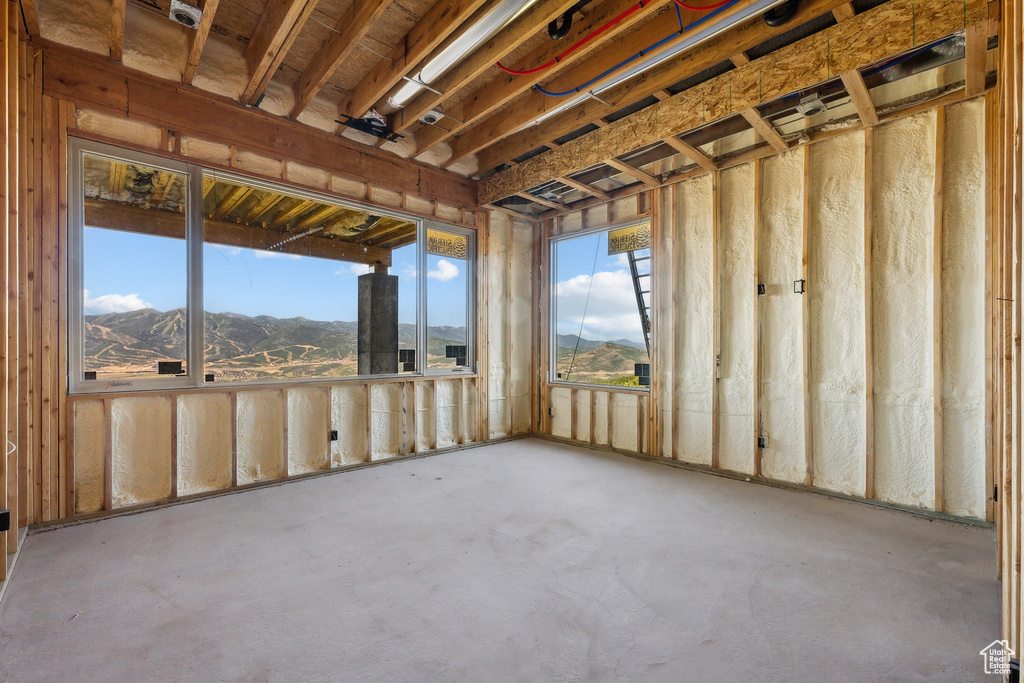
(687, 43)
(185, 14)
(811, 106)
(493, 21)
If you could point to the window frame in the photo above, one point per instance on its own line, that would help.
(193, 378)
(551, 377)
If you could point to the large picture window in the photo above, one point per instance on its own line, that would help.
(600, 301)
(182, 276)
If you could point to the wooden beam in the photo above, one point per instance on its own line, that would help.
(538, 200)
(691, 153)
(279, 26)
(300, 207)
(937, 229)
(495, 137)
(92, 81)
(739, 59)
(844, 12)
(505, 87)
(31, 15)
(134, 219)
(645, 178)
(872, 36)
(976, 53)
(199, 41)
(262, 206)
(861, 98)
(235, 196)
(360, 17)
(117, 10)
(527, 24)
(764, 129)
(317, 217)
(583, 187)
(437, 24)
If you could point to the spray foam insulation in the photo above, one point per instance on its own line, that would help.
(89, 454)
(903, 163)
(963, 310)
(204, 443)
(695, 353)
(348, 415)
(561, 412)
(447, 412)
(426, 434)
(737, 301)
(308, 429)
(782, 390)
(385, 420)
(498, 332)
(836, 298)
(622, 408)
(140, 450)
(520, 263)
(260, 438)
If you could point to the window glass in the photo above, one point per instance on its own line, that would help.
(134, 270)
(448, 278)
(601, 296)
(296, 287)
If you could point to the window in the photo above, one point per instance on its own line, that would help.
(600, 298)
(182, 276)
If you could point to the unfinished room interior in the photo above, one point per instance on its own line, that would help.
(511, 340)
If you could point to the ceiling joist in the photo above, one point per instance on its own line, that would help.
(534, 19)
(690, 152)
(877, 34)
(437, 24)
(584, 188)
(495, 140)
(361, 16)
(31, 15)
(645, 178)
(279, 26)
(976, 54)
(861, 98)
(505, 87)
(764, 129)
(199, 41)
(117, 10)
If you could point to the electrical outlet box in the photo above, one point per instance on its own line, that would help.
(334, 435)
(5, 520)
(762, 442)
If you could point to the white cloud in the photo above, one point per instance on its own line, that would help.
(356, 269)
(445, 271)
(611, 312)
(114, 303)
(259, 253)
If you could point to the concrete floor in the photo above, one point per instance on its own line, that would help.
(522, 561)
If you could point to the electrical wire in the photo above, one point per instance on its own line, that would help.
(641, 53)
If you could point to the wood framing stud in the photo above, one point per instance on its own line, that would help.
(31, 15)
(583, 187)
(199, 41)
(764, 129)
(844, 12)
(643, 177)
(976, 52)
(860, 96)
(691, 152)
(117, 10)
(739, 59)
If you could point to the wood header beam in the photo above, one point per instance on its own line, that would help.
(521, 29)
(861, 98)
(887, 30)
(93, 82)
(279, 26)
(199, 41)
(437, 24)
(354, 25)
(494, 141)
(764, 129)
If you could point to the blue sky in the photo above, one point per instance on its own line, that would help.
(125, 271)
(603, 289)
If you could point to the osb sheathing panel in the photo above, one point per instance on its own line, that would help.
(903, 179)
(782, 386)
(737, 216)
(260, 438)
(204, 443)
(90, 447)
(308, 429)
(836, 297)
(963, 311)
(140, 450)
(695, 353)
(385, 420)
(348, 415)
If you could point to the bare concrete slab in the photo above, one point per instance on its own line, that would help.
(522, 561)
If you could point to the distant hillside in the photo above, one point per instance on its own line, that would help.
(602, 363)
(569, 341)
(239, 346)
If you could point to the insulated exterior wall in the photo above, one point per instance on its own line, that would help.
(499, 334)
(348, 413)
(836, 291)
(90, 451)
(782, 389)
(260, 435)
(737, 222)
(204, 443)
(140, 450)
(522, 314)
(308, 430)
(902, 187)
